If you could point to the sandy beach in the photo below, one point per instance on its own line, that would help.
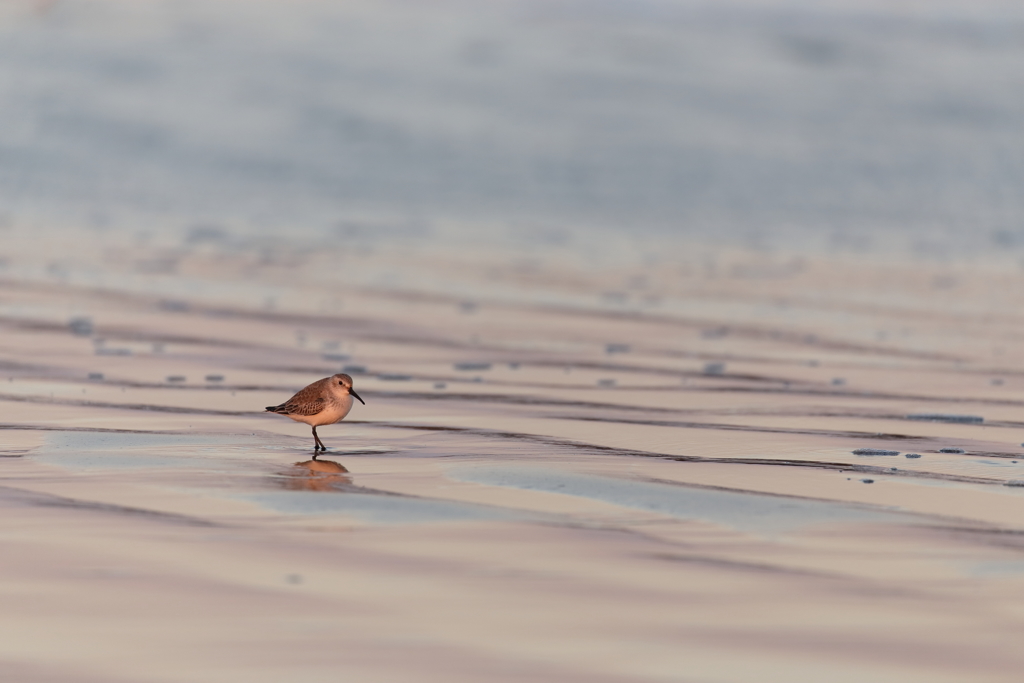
(641, 474)
(689, 335)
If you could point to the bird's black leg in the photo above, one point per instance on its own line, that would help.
(318, 444)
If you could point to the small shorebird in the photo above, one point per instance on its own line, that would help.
(321, 403)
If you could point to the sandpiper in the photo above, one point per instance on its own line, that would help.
(323, 402)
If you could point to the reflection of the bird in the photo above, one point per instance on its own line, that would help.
(317, 475)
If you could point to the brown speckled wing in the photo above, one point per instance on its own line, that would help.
(309, 401)
(304, 408)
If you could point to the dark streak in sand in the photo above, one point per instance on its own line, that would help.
(722, 563)
(511, 399)
(860, 394)
(23, 367)
(740, 428)
(53, 428)
(611, 450)
(122, 406)
(11, 494)
(840, 466)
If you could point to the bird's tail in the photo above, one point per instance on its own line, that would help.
(276, 409)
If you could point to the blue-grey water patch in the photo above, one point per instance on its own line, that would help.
(116, 461)
(946, 417)
(749, 512)
(133, 450)
(376, 508)
(92, 441)
(874, 451)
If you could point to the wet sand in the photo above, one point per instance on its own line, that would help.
(565, 471)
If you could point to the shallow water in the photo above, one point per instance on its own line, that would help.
(746, 512)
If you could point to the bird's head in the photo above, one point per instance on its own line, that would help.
(343, 384)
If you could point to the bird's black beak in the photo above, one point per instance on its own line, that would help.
(353, 392)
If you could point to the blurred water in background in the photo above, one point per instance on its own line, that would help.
(857, 126)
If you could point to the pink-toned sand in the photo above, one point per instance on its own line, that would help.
(564, 471)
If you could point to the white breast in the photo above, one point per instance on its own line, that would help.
(335, 411)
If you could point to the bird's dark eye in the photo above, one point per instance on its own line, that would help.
(340, 383)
